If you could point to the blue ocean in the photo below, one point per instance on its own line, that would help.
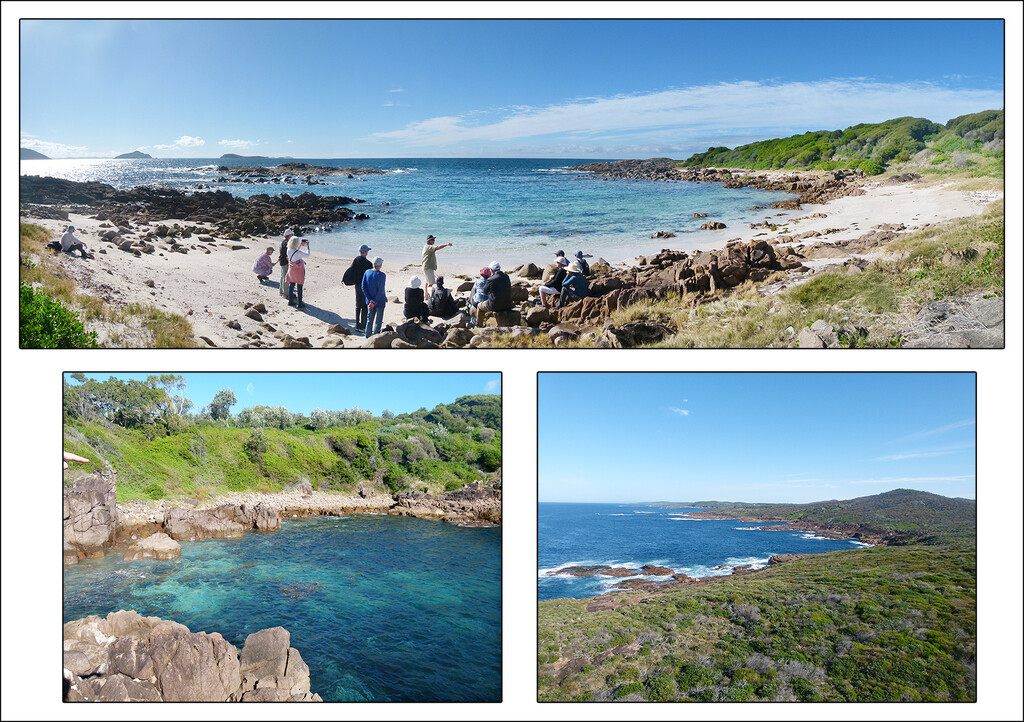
(625, 535)
(381, 608)
(521, 208)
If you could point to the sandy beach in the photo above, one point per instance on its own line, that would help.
(214, 289)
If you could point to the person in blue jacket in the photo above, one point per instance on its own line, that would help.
(574, 287)
(373, 289)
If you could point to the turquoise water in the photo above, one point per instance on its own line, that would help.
(506, 207)
(381, 608)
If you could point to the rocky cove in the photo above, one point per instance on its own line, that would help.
(96, 524)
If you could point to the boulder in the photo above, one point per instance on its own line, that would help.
(155, 546)
(193, 525)
(90, 514)
(634, 334)
(415, 333)
(712, 226)
(503, 318)
(530, 270)
(265, 653)
(195, 667)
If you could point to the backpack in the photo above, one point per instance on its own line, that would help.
(349, 279)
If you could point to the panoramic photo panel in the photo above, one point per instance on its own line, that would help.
(629, 200)
(279, 537)
(746, 537)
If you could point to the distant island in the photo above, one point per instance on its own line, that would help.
(235, 155)
(133, 154)
(29, 154)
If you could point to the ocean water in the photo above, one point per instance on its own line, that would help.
(381, 608)
(624, 535)
(501, 207)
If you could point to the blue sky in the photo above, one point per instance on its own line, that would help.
(303, 392)
(754, 437)
(505, 88)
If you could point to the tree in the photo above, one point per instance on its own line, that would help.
(220, 407)
(174, 387)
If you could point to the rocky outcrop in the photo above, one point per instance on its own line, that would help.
(90, 516)
(596, 570)
(155, 546)
(473, 503)
(226, 520)
(127, 657)
(973, 322)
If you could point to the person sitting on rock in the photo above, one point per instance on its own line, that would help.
(574, 287)
(415, 307)
(441, 302)
(477, 295)
(584, 266)
(498, 290)
(264, 265)
(550, 289)
(70, 244)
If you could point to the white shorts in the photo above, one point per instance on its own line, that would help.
(429, 273)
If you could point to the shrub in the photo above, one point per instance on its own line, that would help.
(154, 491)
(46, 323)
(256, 445)
(660, 687)
(628, 689)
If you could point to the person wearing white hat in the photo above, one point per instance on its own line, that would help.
(415, 307)
(574, 287)
(282, 260)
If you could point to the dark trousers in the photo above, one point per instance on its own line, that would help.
(420, 311)
(360, 308)
(293, 290)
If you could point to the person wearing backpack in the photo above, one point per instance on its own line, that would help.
(584, 266)
(441, 302)
(354, 277)
(282, 261)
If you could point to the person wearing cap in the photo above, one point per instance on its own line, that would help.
(282, 260)
(550, 289)
(373, 288)
(415, 307)
(298, 252)
(441, 303)
(354, 277)
(584, 266)
(574, 287)
(264, 265)
(70, 244)
(498, 290)
(429, 262)
(477, 295)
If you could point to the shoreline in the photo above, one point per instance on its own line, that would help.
(210, 283)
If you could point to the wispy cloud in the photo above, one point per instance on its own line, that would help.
(915, 479)
(54, 150)
(492, 385)
(185, 141)
(678, 115)
(924, 454)
(239, 144)
(680, 412)
(937, 430)
(397, 90)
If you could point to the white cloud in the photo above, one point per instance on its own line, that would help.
(185, 141)
(54, 150)
(239, 144)
(397, 90)
(681, 114)
(492, 385)
(923, 454)
(915, 479)
(681, 412)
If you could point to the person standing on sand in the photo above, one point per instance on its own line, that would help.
(264, 265)
(354, 277)
(429, 262)
(373, 288)
(296, 275)
(282, 259)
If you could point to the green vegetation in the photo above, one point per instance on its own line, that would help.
(45, 323)
(972, 143)
(881, 624)
(145, 431)
(134, 325)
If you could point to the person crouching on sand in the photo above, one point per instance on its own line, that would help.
(415, 307)
(264, 265)
(296, 275)
(373, 288)
(429, 262)
(282, 259)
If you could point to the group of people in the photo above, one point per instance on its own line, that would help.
(492, 292)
